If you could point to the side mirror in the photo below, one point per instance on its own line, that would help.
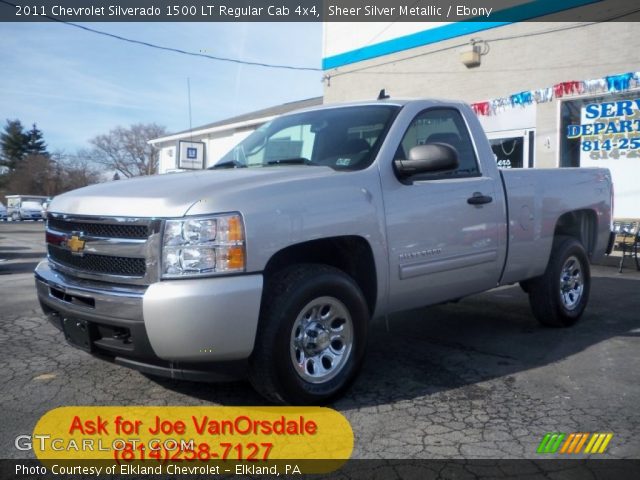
(429, 158)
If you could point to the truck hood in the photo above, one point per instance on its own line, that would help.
(172, 195)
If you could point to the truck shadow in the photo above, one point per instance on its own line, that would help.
(19, 255)
(19, 267)
(487, 336)
(457, 346)
(13, 260)
(238, 393)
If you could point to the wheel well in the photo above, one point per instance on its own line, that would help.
(580, 224)
(351, 254)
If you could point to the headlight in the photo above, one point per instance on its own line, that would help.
(202, 246)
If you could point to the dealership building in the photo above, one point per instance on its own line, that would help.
(548, 94)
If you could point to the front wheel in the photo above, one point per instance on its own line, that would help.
(558, 297)
(311, 337)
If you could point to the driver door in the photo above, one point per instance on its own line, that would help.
(442, 244)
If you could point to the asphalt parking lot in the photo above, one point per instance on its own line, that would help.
(477, 379)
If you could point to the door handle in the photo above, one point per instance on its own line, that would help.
(479, 199)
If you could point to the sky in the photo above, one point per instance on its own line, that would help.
(75, 84)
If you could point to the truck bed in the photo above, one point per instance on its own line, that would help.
(537, 200)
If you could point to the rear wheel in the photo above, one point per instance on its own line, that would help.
(312, 335)
(558, 297)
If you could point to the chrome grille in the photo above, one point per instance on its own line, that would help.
(106, 230)
(108, 249)
(99, 264)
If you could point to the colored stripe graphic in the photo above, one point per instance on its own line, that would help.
(594, 439)
(598, 442)
(581, 443)
(569, 443)
(605, 444)
(543, 443)
(551, 442)
(574, 442)
(553, 448)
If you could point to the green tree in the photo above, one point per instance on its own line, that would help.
(35, 142)
(13, 144)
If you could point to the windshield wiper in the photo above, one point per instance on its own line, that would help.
(228, 164)
(290, 161)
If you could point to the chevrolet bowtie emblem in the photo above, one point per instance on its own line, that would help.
(75, 244)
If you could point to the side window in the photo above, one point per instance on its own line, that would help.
(442, 125)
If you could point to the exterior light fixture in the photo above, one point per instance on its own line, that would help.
(470, 55)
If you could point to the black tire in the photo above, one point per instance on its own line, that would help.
(288, 294)
(554, 304)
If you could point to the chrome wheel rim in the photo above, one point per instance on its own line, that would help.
(571, 283)
(321, 340)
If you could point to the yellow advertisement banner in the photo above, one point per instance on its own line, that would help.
(319, 438)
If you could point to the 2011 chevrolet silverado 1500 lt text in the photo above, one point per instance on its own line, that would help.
(273, 261)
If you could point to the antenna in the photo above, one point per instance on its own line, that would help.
(383, 95)
(189, 98)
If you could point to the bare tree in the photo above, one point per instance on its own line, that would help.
(51, 174)
(126, 149)
(78, 171)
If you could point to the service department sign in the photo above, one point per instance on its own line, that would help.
(608, 130)
(609, 135)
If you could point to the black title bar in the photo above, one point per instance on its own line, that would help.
(316, 10)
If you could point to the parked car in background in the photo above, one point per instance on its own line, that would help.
(3, 212)
(31, 210)
(25, 207)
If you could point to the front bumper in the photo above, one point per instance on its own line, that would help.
(196, 328)
(31, 215)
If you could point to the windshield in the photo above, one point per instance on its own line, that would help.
(343, 138)
(31, 205)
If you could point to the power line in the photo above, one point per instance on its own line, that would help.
(176, 50)
(395, 20)
(501, 70)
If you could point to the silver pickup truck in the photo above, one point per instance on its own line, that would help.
(273, 262)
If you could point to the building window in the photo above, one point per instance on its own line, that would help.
(509, 152)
